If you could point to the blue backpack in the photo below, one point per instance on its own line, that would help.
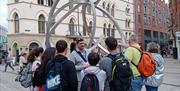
(90, 83)
(55, 76)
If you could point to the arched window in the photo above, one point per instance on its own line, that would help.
(41, 2)
(16, 23)
(33, 45)
(109, 30)
(41, 24)
(113, 31)
(72, 27)
(89, 9)
(16, 1)
(104, 7)
(90, 26)
(108, 8)
(50, 2)
(104, 30)
(112, 10)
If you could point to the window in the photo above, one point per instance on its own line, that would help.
(126, 35)
(104, 7)
(139, 18)
(145, 20)
(84, 31)
(113, 31)
(109, 30)
(128, 23)
(16, 23)
(139, 8)
(16, 1)
(72, 27)
(50, 2)
(89, 9)
(127, 9)
(104, 30)
(108, 8)
(112, 10)
(41, 24)
(90, 26)
(41, 2)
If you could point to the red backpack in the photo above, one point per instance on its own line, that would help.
(146, 65)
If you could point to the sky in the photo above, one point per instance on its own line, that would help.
(3, 12)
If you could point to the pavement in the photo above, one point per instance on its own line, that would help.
(171, 80)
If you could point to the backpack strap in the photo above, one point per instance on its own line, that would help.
(79, 53)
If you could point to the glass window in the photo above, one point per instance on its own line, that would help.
(112, 10)
(109, 30)
(16, 23)
(41, 2)
(72, 27)
(41, 24)
(104, 30)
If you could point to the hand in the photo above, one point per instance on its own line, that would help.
(86, 66)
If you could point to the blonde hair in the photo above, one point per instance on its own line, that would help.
(133, 38)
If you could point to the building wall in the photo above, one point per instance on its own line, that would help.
(29, 11)
(3, 38)
(152, 16)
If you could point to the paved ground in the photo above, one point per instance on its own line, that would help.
(171, 81)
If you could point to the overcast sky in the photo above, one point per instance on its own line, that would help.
(3, 12)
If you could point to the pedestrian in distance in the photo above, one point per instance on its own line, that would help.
(153, 82)
(93, 60)
(60, 72)
(8, 61)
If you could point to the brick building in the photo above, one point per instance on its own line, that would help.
(152, 21)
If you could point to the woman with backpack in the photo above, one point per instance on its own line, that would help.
(153, 82)
(39, 76)
(34, 60)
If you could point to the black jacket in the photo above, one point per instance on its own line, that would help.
(70, 82)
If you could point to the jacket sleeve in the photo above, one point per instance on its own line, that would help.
(106, 65)
(73, 82)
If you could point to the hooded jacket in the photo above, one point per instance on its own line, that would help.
(101, 75)
(70, 72)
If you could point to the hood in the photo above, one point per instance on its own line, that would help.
(92, 69)
(60, 58)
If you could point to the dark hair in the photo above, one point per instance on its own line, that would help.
(153, 47)
(79, 40)
(33, 54)
(111, 43)
(61, 45)
(72, 46)
(41, 50)
(93, 58)
(48, 54)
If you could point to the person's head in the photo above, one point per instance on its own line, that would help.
(33, 54)
(80, 44)
(72, 46)
(111, 43)
(23, 54)
(48, 54)
(153, 47)
(61, 46)
(93, 58)
(132, 39)
(41, 50)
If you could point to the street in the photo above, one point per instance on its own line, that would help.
(171, 80)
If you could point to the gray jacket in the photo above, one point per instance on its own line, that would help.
(106, 65)
(157, 78)
(78, 61)
(101, 75)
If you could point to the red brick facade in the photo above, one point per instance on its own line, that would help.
(152, 21)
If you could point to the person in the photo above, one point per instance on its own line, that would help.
(39, 79)
(153, 82)
(133, 54)
(106, 62)
(79, 57)
(8, 60)
(69, 79)
(23, 60)
(34, 59)
(72, 47)
(93, 59)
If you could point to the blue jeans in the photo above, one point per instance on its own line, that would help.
(150, 88)
(136, 83)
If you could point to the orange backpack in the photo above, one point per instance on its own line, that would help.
(146, 65)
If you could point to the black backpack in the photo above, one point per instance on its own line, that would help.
(90, 83)
(55, 76)
(121, 73)
(39, 78)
